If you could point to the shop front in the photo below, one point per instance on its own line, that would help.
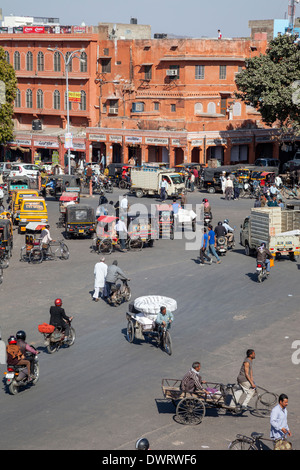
(98, 148)
(158, 150)
(46, 151)
(239, 152)
(133, 150)
(196, 146)
(18, 150)
(215, 149)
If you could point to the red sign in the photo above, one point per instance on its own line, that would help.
(33, 29)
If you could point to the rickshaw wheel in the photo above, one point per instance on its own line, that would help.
(135, 244)
(105, 246)
(36, 256)
(64, 252)
(190, 411)
(130, 332)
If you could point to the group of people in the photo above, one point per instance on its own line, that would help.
(104, 278)
(192, 383)
(209, 241)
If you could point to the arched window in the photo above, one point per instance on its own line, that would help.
(237, 109)
(17, 60)
(70, 63)
(40, 62)
(83, 62)
(57, 63)
(83, 101)
(18, 99)
(211, 108)
(29, 61)
(7, 57)
(198, 108)
(28, 98)
(56, 99)
(39, 99)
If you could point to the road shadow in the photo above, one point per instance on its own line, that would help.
(252, 277)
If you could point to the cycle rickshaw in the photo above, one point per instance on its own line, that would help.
(6, 242)
(141, 321)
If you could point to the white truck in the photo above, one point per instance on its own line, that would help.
(146, 181)
(279, 229)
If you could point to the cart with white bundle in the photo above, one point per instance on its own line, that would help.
(141, 321)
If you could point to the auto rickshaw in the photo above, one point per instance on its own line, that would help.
(65, 200)
(263, 177)
(6, 242)
(142, 228)
(17, 197)
(243, 175)
(166, 221)
(15, 183)
(69, 183)
(80, 220)
(115, 172)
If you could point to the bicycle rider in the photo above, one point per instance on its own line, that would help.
(163, 320)
(46, 240)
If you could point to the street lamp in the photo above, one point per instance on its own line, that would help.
(67, 58)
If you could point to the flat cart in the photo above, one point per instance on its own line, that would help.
(141, 321)
(191, 407)
(165, 220)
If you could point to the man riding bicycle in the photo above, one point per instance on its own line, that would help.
(163, 320)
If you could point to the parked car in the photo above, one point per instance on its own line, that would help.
(291, 165)
(267, 162)
(5, 168)
(24, 169)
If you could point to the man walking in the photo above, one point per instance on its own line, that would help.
(163, 189)
(100, 272)
(278, 419)
(203, 248)
(212, 243)
(245, 380)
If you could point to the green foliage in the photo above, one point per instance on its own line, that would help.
(267, 83)
(8, 77)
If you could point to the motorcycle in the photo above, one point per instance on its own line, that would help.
(207, 218)
(222, 246)
(120, 293)
(20, 372)
(56, 339)
(261, 271)
(108, 185)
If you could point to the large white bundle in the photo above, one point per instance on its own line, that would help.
(185, 215)
(150, 304)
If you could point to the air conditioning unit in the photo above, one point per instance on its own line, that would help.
(172, 73)
(113, 111)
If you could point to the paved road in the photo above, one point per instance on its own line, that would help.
(104, 393)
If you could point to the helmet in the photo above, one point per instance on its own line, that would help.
(263, 245)
(142, 444)
(220, 223)
(205, 200)
(58, 302)
(12, 340)
(226, 221)
(21, 335)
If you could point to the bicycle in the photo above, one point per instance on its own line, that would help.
(265, 401)
(164, 341)
(37, 254)
(256, 442)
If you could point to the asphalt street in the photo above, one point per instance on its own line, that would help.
(104, 393)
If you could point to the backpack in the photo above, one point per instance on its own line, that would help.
(13, 352)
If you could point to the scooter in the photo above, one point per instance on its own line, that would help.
(207, 218)
(261, 271)
(108, 186)
(222, 246)
(16, 376)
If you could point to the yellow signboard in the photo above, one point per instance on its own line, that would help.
(75, 96)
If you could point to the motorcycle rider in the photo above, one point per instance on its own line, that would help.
(16, 358)
(58, 317)
(113, 274)
(229, 233)
(220, 230)
(24, 347)
(264, 256)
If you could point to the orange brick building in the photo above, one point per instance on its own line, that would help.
(159, 100)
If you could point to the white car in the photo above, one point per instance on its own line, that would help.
(24, 169)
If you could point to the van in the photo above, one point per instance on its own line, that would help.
(32, 209)
(267, 162)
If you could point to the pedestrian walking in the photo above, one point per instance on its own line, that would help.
(163, 189)
(203, 248)
(100, 272)
(278, 419)
(245, 380)
(228, 188)
(223, 182)
(212, 243)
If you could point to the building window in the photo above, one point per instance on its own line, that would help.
(40, 62)
(67, 101)
(17, 60)
(237, 109)
(173, 108)
(83, 101)
(57, 63)
(18, 99)
(113, 107)
(70, 63)
(138, 107)
(199, 72)
(7, 57)
(56, 99)
(211, 108)
(222, 72)
(29, 61)
(148, 72)
(175, 71)
(198, 108)
(39, 99)
(83, 62)
(156, 106)
(28, 98)
(106, 65)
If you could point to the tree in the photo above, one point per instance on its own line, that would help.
(8, 88)
(270, 83)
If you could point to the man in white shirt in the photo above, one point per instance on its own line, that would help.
(278, 419)
(163, 189)
(100, 272)
(121, 229)
(46, 239)
(124, 204)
